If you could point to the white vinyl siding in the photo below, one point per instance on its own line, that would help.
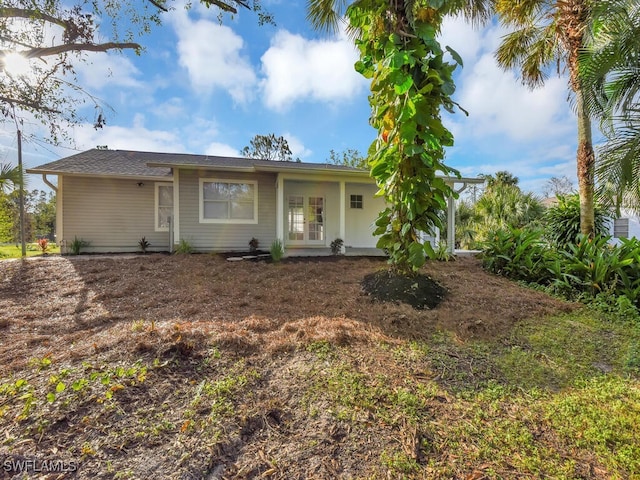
(164, 206)
(228, 201)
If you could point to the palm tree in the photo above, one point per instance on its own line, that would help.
(9, 176)
(611, 74)
(547, 33)
(325, 15)
(504, 206)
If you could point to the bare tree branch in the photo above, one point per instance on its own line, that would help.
(35, 106)
(9, 12)
(73, 47)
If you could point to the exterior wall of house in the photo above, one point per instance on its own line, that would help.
(111, 214)
(360, 222)
(225, 236)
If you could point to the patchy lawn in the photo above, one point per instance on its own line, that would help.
(194, 367)
(11, 250)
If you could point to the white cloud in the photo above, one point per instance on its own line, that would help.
(135, 137)
(171, 108)
(108, 70)
(211, 53)
(298, 150)
(221, 150)
(296, 69)
(499, 104)
(457, 34)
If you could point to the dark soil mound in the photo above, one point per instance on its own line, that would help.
(420, 291)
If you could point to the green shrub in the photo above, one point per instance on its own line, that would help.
(184, 247)
(336, 246)
(562, 221)
(518, 253)
(277, 250)
(594, 265)
(77, 245)
(254, 243)
(591, 270)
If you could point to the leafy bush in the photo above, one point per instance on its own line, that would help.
(593, 265)
(43, 244)
(253, 245)
(562, 221)
(77, 245)
(441, 252)
(336, 246)
(184, 247)
(277, 250)
(517, 253)
(591, 270)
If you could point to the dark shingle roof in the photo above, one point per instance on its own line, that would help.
(150, 164)
(105, 163)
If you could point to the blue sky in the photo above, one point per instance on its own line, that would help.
(202, 87)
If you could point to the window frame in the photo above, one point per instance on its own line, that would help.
(356, 201)
(237, 221)
(156, 210)
(617, 227)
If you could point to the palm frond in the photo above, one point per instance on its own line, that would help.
(325, 15)
(618, 164)
(9, 176)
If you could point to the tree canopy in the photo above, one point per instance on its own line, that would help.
(268, 147)
(42, 41)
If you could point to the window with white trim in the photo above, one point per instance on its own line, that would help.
(164, 206)
(621, 228)
(356, 201)
(228, 201)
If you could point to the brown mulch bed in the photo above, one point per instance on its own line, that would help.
(81, 304)
(199, 319)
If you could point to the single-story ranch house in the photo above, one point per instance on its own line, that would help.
(113, 198)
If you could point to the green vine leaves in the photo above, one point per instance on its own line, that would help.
(410, 84)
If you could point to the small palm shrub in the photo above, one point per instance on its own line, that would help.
(144, 244)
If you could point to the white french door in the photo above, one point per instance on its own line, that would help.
(305, 217)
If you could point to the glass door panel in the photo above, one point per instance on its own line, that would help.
(296, 218)
(315, 209)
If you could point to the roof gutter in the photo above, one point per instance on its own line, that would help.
(48, 183)
(330, 171)
(201, 167)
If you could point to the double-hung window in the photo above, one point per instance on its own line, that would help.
(164, 206)
(228, 201)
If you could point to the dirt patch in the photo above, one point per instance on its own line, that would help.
(419, 291)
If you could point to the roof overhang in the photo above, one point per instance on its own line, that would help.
(36, 171)
(196, 166)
